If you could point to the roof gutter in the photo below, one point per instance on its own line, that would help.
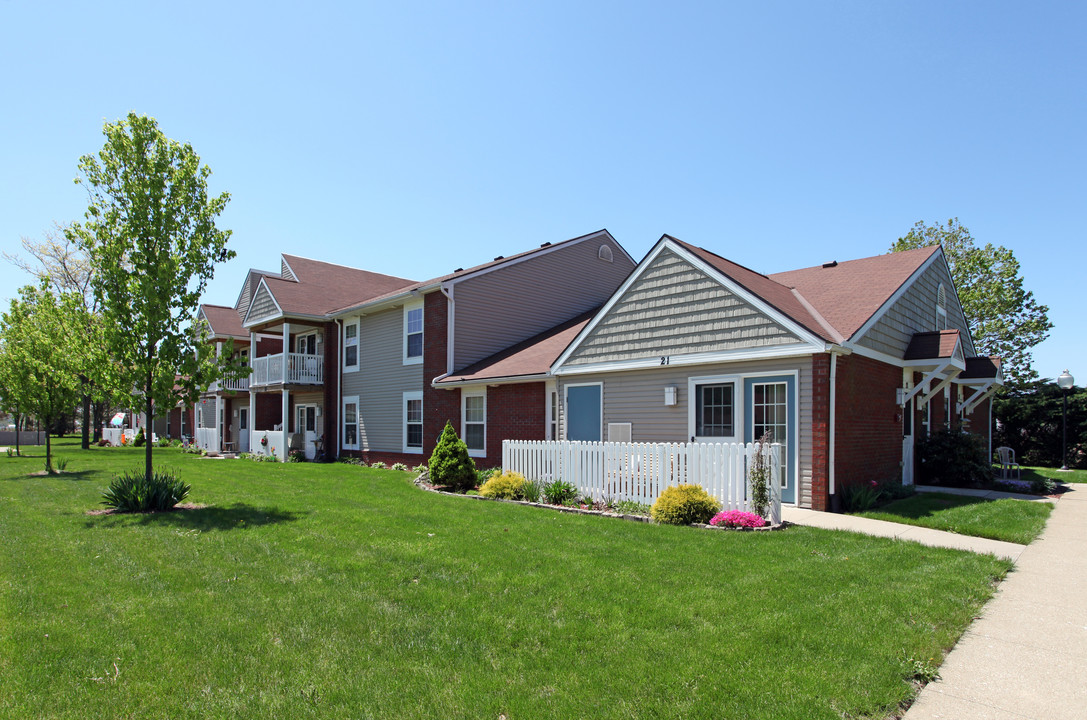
(505, 380)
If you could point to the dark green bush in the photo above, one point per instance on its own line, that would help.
(449, 464)
(858, 497)
(139, 439)
(953, 458)
(134, 492)
(683, 505)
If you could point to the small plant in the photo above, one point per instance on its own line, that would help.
(62, 464)
(400, 466)
(449, 464)
(11, 452)
(924, 671)
(419, 468)
(164, 442)
(135, 492)
(737, 519)
(760, 476)
(860, 497)
(507, 486)
(559, 492)
(1042, 485)
(139, 440)
(378, 465)
(296, 456)
(532, 490)
(483, 476)
(631, 507)
(683, 505)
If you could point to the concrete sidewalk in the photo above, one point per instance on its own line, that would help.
(1024, 656)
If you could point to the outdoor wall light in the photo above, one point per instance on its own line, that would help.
(1064, 382)
(670, 394)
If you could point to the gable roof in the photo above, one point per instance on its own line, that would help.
(224, 321)
(500, 261)
(933, 345)
(982, 368)
(848, 294)
(533, 357)
(321, 287)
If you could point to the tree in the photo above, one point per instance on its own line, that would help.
(150, 234)
(40, 346)
(1005, 319)
(1029, 420)
(449, 463)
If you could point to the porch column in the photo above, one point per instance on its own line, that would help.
(218, 405)
(252, 420)
(286, 349)
(286, 425)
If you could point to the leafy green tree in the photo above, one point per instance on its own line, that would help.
(449, 464)
(1029, 418)
(41, 338)
(1005, 319)
(150, 234)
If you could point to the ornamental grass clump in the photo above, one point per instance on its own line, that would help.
(507, 486)
(737, 519)
(135, 492)
(449, 463)
(684, 505)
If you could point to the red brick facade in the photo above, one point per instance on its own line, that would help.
(820, 417)
(868, 436)
(439, 406)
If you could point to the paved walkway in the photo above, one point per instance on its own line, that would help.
(1024, 656)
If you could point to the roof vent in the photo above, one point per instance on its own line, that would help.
(604, 253)
(545, 244)
(459, 270)
(832, 263)
(500, 257)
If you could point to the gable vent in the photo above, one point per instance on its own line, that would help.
(832, 263)
(605, 253)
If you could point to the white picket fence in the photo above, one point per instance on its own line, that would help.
(641, 471)
(207, 439)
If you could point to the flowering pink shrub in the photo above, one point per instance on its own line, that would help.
(737, 518)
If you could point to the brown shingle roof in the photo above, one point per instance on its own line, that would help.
(531, 357)
(981, 368)
(848, 293)
(322, 287)
(224, 321)
(768, 289)
(932, 345)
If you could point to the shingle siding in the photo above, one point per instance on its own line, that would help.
(675, 309)
(263, 305)
(513, 303)
(381, 381)
(915, 312)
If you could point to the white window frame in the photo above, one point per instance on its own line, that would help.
(737, 407)
(408, 309)
(466, 393)
(566, 405)
(413, 395)
(355, 367)
(316, 343)
(551, 412)
(349, 400)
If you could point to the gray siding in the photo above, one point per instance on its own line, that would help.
(915, 312)
(676, 309)
(637, 397)
(382, 380)
(285, 270)
(263, 305)
(510, 304)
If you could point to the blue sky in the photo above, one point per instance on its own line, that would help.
(415, 138)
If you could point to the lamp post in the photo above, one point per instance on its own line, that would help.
(1064, 382)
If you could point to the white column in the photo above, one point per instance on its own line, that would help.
(286, 414)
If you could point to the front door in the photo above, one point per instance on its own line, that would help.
(306, 425)
(771, 404)
(243, 429)
(907, 443)
(584, 416)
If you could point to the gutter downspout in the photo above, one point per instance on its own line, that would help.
(831, 433)
(450, 318)
(339, 387)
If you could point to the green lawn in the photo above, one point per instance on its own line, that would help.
(1017, 521)
(336, 591)
(1070, 476)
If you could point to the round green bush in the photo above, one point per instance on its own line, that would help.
(683, 505)
(507, 486)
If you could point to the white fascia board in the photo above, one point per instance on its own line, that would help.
(896, 296)
(874, 354)
(707, 358)
(506, 380)
(261, 284)
(803, 333)
(533, 254)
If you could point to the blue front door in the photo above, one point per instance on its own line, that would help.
(771, 408)
(583, 412)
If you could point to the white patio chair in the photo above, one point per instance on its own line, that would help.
(1008, 465)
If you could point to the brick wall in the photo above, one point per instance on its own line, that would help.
(439, 406)
(820, 412)
(514, 412)
(868, 436)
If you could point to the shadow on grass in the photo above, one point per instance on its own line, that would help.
(238, 516)
(923, 505)
(38, 473)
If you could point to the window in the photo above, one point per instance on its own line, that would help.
(413, 333)
(244, 355)
(306, 344)
(351, 346)
(351, 423)
(553, 418)
(413, 422)
(474, 422)
(714, 405)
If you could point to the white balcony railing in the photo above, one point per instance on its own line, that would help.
(241, 385)
(299, 369)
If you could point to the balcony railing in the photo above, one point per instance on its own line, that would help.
(241, 385)
(289, 369)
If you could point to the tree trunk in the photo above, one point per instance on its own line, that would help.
(17, 431)
(87, 422)
(48, 451)
(150, 421)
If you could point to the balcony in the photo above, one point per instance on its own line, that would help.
(241, 385)
(288, 369)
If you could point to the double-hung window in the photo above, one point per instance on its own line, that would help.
(351, 346)
(413, 333)
(413, 422)
(351, 423)
(713, 411)
(474, 421)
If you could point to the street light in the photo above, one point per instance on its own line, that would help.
(1064, 382)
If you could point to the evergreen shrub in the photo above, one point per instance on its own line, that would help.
(449, 464)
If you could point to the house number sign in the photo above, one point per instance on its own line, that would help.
(666, 360)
